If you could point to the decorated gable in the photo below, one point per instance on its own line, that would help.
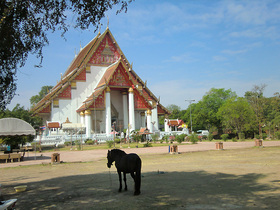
(160, 110)
(139, 102)
(106, 53)
(81, 76)
(99, 102)
(146, 94)
(66, 93)
(120, 78)
(47, 109)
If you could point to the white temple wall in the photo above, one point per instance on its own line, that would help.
(67, 107)
(61, 113)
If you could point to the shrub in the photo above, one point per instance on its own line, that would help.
(166, 138)
(210, 137)
(155, 137)
(193, 138)
(78, 144)
(89, 142)
(234, 139)
(264, 135)
(277, 135)
(241, 136)
(136, 137)
(110, 143)
(180, 138)
(204, 137)
(224, 137)
(148, 144)
(117, 140)
(67, 143)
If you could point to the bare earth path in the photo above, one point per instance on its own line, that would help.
(92, 155)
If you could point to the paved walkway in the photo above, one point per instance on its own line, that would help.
(93, 155)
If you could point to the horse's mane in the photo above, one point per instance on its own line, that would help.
(118, 151)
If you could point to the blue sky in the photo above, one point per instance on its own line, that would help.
(182, 48)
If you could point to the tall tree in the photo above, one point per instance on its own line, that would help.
(272, 114)
(204, 113)
(236, 115)
(174, 110)
(257, 101)
(24, 26)
(44, 91)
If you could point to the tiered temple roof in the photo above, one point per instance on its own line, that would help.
(102, 51)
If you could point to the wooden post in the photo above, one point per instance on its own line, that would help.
(55, 158)
(258, 142)
(219, 145)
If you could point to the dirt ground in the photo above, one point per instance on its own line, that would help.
(219, 179)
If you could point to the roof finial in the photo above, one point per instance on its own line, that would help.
(99, 28)
(107, 22)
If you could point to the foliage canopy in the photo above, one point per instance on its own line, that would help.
(24, 26)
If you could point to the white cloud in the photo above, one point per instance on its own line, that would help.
(234, 52)
(255, 12)
(184, 58)
(219, 58)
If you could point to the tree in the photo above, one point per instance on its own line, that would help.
(236, 115)
(204, 113)
(174, 110)
(44, 91)
(21, 113)
(257, 101)
(272, 113)
(24, 26)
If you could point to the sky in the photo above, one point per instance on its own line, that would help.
(182, 48)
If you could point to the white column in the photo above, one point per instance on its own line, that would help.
(88, 123)
(131, 109)
(155, 117)
(108, 111)
(166, 127)
(149, 120)
(82, 114)
(125, 110)
(143, 122)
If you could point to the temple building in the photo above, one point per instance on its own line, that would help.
(101, 91)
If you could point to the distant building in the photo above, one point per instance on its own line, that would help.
(101, 91)
(174, 125)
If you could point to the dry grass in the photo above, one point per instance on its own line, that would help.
(228, 179)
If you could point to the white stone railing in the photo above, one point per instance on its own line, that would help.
(61, 139)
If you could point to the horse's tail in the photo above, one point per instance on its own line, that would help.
(138, 177)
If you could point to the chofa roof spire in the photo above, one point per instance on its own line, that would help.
(107, 22)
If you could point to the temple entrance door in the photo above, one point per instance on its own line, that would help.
(114, 123)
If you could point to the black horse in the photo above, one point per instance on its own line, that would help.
(126, 163)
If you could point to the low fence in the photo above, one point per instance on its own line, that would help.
(61, 139)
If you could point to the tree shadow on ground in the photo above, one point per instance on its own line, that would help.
(187, 190)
